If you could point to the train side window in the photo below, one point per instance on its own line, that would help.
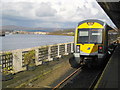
(96, 34)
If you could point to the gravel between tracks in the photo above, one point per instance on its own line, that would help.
(48, 80)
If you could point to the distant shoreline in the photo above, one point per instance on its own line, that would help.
(61, 34)
(41, 34)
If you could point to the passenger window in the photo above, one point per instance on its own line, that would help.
(96, 33)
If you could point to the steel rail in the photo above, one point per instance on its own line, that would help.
(68, 77)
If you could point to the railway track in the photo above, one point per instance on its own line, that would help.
(79, 75)
(82, 77)
(61, 84)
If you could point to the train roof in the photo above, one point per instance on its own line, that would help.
(92, 20)
(98, 21)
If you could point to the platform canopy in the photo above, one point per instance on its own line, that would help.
(113, 11)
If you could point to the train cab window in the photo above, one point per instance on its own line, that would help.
(96, 36)
(89, 36)
(83, 33)
(83, 36)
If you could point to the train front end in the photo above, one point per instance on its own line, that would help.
(89, 42)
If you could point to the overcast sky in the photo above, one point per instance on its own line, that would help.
(50, 13)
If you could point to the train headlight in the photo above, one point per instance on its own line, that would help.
(100, 49)
(90, 23)
(78, 48)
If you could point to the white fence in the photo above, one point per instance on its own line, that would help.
(14, 60)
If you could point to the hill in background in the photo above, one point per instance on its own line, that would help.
(13, 27)
(68, 32)
(51, 31)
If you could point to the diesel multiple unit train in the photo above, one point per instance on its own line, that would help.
(92, 41)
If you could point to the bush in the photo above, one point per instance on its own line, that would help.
(29, 59)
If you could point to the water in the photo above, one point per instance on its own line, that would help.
(21, 41)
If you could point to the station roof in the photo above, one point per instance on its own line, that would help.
(113, 11)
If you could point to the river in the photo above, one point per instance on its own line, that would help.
(21, 41)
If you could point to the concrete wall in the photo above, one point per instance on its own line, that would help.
(14, 60)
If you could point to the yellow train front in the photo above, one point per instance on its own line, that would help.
(90, 42)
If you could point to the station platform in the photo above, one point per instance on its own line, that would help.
(109, 77)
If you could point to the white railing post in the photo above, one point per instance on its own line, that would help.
(17, 61)
(49, 54)
(59, 51)
(71, 47)
(66, 49)
(37, 62)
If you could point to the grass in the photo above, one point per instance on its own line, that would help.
(23, 78)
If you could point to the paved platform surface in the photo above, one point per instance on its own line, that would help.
(109, 77)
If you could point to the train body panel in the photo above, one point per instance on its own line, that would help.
(88, 49)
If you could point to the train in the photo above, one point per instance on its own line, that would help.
(93, 40)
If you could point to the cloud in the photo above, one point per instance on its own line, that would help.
(45, 10)
(21, 10)
(50, 13)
